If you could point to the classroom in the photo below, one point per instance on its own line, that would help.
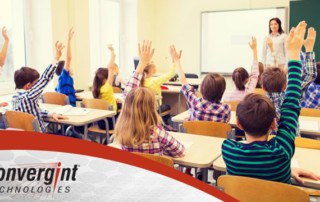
(227, 92)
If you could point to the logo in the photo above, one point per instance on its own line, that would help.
(37, 179)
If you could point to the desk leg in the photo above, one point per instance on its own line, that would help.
(85, 132)
(107, 131)
(179, 103)
(204, 174)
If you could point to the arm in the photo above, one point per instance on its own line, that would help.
(254, 76)
(264, 53)
(160, 80)
(170, 145)
(176, 59)
(4, 50)
(37, 89)
(69, 54)
(290, 108)
(297, 173)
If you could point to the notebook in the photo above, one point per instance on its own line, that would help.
(68, 110)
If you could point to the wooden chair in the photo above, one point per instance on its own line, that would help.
(208, 128)
(259, 91)
(251, 189)
(55, 98)
(103, 105)
(310, 112)
(21, 120)
(307, 143)
(161, 159)
(233, 105)
(116, 89)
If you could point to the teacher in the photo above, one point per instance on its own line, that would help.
(274, 50)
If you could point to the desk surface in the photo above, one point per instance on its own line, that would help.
(202, 152)
(308, 125)
(92, 116)
(191, 81)
(172, 89)
(88, 95)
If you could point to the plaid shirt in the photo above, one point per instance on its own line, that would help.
(204, 110)
(28, 100)
(160, 143)
(312, 97)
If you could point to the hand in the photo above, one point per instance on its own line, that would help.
(145, 52)
(253, 44)
(59, 47)
(58, 117)
(71, 33)
(3, 104)
(270, 43)
(311, 38)
(174, 55)
(295, 40)
(297, 173)
(4, 34)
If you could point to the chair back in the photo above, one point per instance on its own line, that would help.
(96, 104)
(191, 76)
(55, 98)
(161, 159)
(208, 128)
(310, 112)
(21, 120)
(260, 91)
(251, 189)
(233, 105)
(307, 143)
(116, 89)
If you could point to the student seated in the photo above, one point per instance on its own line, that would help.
(64, 71)
(209, 106)
(258, 157)
(29, 88)
(311, 99)
(139, 126)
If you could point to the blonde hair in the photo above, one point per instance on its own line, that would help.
(138, 116)
(146, 72)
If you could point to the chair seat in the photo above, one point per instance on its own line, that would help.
(96, 129)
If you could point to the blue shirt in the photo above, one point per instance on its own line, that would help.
(65, 86)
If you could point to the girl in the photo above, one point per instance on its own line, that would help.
(241, 77)
(139, 125)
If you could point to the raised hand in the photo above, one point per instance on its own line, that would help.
(58, 46)
(4, 34)
(174, 55)
(253, 44)
(71, 33)
(145, 55)
(310, 40)
(270, 44)
(295, 40)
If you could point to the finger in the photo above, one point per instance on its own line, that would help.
(143, 45)
(139, 49)
(152, 52)
(56, 45)
(180, 54)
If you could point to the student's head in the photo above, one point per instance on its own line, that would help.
(148, 71)
(256, 115)
(99, 79)
(261, 68)
(317, 81)
(25, 78)
(274, 80)
(138, 116)
(60, 67)
(213, 87)
(240, 78)
(275, 26)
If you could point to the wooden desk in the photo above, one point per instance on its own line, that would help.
(191, 81)
(88, 95)
(94, 115)
(308, 159)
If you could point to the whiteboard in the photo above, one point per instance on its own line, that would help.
(225, 36)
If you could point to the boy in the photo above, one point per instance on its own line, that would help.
(312, 96)
(29, 88)
(65, 82)
(258, 157)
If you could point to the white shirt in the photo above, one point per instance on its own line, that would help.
(279, 47)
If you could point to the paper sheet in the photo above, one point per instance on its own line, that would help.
(309, 125)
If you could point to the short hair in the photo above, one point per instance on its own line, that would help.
(280, 31)
(273, 80)
(317, 81)
(25, 75)
(213, 87)
(255, 114)
(239, 76)
(60, 67)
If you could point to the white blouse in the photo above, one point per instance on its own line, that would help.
(279, 47)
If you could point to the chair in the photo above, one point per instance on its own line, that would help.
(307, 143)
(192, 76)
(160, 159)
(103, 105)
(259, 91)
(55, 98)
(233, 104)
(251, 189)
(208, 128)
(21, 120)
(310, 112)
(116, 89)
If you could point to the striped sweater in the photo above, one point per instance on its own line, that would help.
(270, 160)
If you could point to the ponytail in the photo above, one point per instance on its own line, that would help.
(239, 76)
(98, 81)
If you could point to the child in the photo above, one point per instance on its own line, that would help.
(65, 82)
(258, 157)
(274, 79)
(3, 55)
(241, 77)
(312, 95)
(208, 108)
(139, 125)
(29, 88)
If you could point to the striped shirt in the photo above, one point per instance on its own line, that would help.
(270, 160)
(28, 100)
(204, 110)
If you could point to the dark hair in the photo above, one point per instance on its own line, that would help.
(255, 114)
(273, 80)
(261, 68)
(280, 30)
(25, 75)
(98, 81)
(213, 87)
(60, 67)
(239, 76)
(317, 81)
(145, 72)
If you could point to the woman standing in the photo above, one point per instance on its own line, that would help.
(274, 50)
